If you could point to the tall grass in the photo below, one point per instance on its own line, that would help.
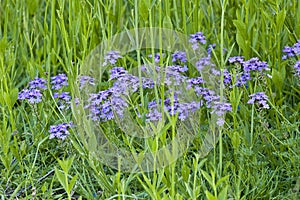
(257, 156)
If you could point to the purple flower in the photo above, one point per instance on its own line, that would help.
(86, 80)
(32, 95)
(254, 64)
(203, 62)
(59, 131)
(259, 98)
(297, 68)
(59, 81)
(197, 38)
(236, 59)
(179, 56)
(105, 103)
(117, 72)
(194, 81)
(227, 77)
(208, 95)
(210, 48)
(64, 100)
(242, 80)
(153, 115)
(291, 51)
(38, 83)
(156, 57)
(111, 57)
(177, 68)
(220, 108)
(147, 83)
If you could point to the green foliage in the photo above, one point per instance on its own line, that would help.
(257, 156)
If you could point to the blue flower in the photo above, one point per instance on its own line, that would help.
(179, 56)
(38, 83)
(111, 57)
(259, 98)
(32, 95)
(197, 38)
(59, 81)
(60, 131)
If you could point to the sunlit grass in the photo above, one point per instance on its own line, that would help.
(258, 156)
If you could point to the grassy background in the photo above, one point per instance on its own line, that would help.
(40, 37)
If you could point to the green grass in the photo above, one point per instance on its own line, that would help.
(257, 156)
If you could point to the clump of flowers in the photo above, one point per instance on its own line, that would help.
(59, 81)
(292, 51)
(197, 38)
(111, 58)
(297, 68)
(60, 131)
(259, 98)
(32, 95)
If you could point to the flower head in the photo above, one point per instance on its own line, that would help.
(291, 51)
(60, 131)
(32, 95)
(197, 38)
(297, 68)
(38, 83)
(59, 81)
(111, 57)
(254, 64)
(156, 57)
(179, 56)
(259, 98)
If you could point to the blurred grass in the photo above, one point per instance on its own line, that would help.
(43, 38)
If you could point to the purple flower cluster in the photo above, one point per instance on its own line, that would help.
(104, 104)
(60, 131)
(220, 109)
(259, 98)
(179, 56)
(86, 80)
(111, 57)
(242, 77)
(64, 100)
(59, 81)
(32, 95)
(194, 82)
(236, 59)
(117, 72)
(156, 57)
(297, 68)
(197, 38)
(203, 62)
(291, 51)
(172, 107)
(38, 83)
(254, 64)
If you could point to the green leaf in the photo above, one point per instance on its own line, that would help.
(72, 182)
(14, 96)
(223, 193)
(61, 178)
(241, 28)
(7, 99)
(221, 180)
(185, 171)
(207, 177)
(209, 196)
(277, 79)
(280, 18)
(167, 22)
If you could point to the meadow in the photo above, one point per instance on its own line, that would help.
(47, 143)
